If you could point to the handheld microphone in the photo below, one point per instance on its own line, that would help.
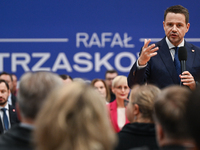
(182, 56)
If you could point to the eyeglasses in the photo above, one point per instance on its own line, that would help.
(121, 88)
(109, 79)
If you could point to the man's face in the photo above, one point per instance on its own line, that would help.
(7, 79)
(175, 27)
(109, 79)
(4, 93)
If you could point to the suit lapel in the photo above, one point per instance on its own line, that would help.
(166, 57)
(190, 55)
(12, 115)
(1, 127)
(113, 111)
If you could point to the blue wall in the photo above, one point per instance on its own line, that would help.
(82, 38)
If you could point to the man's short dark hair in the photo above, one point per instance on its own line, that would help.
(178, 9)
(170, 107)
(5, 73)
(3, 81)
(111, 71)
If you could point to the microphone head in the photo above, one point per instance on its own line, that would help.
(182, 53)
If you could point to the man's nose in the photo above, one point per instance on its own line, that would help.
(174, 28)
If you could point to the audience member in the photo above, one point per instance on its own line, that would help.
(14, 89)
(33, 89)
(117, 107)
(141, 129)
(103, 89)
(74, 121)
(193, 116)
(66, 78)
(8, 78)
(170, 110)
(8, 114)
(109, 76)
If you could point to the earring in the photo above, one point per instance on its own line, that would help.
(135, 118)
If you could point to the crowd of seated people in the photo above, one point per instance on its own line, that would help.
(56, 112)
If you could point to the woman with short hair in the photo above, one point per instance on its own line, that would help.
(117, 108)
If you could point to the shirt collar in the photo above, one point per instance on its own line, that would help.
(5, 106)
(170, 45)
(9, 99)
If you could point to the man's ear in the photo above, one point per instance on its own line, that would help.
(188, 26)
(136, 109)
(159, 133)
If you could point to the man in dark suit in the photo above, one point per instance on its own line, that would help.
(8, 78)
(155, 64)
(33, 90)
(7, 112)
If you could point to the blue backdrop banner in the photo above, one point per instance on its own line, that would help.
(82, 38)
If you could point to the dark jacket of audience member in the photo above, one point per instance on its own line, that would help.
(136, 135)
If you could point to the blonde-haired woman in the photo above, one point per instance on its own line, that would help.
(141, 130)
(117, 107)
(72, 120)
(103, 89)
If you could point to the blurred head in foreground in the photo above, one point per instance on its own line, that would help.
(74, 117)
(193, 115)
(141, 103)
(170, 116)
(33, 89)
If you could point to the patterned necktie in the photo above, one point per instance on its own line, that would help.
(5, 119)
(177, 62)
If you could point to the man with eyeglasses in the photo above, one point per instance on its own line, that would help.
(109, 76)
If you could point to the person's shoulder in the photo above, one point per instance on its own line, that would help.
(160, 42)
(15, 137)
(194, 47)
(112, 105)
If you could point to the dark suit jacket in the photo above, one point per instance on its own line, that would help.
(14, 99)
(160, 69)
(13, 118)
(16, 138)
